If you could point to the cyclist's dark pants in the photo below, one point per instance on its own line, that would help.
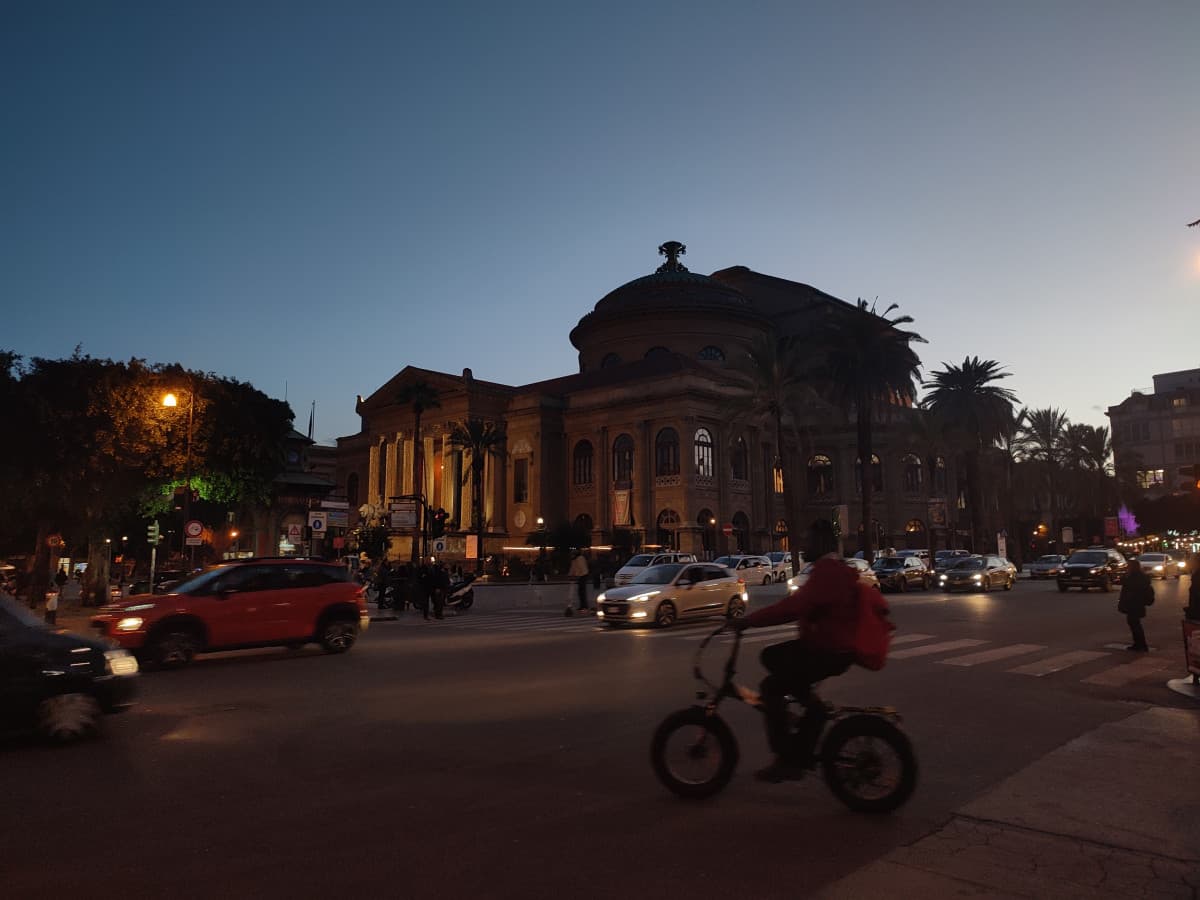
(793, 669)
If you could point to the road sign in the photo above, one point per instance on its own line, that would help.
(295, 534)
(727, 529)
(337, 518)
(194, 528)
(439, 546)
(193, 542)
(1068, 535)
(404, 513)
(317, 522)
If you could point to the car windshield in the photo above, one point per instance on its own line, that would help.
(968, 564)
(1152, 557)
(1049, 559)
(642, 559)
(1086, 557)
(888, 562)
(14, 612)
(198, 583)
(777, 557)
(728, 562)
(663, 574)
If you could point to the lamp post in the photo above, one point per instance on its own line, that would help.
(541, 524)
(233, 537)
(171, 401)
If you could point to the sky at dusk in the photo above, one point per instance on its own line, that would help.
(314, 195)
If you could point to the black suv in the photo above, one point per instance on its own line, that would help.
(57, 682)
(1097, 567)
(901, 573)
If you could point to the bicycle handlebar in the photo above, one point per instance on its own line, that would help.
(698, 673)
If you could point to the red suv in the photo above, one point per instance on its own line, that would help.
(247, 603)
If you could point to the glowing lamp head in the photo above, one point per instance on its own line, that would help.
(170, 400)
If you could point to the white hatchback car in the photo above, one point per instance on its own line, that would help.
(643, 561)
(754, 569)
(667, 593)
(781, 564)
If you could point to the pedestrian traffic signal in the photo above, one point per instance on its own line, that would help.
(437, 523)
(152, 533)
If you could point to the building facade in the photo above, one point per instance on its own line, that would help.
(1156, 437)
(651, 440)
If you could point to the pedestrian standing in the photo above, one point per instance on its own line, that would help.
(1192, 610)
(441, 588)
(52, 608)
(1136, 594)
(579, 571)
(422, 586)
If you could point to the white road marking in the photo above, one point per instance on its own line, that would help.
(1122, 675)
(944, 647)
(987, 656)
(910, 638)
(1053, 664)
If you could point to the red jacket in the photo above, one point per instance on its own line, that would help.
(826, 607)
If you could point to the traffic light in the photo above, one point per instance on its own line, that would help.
(152, 533)
(437, 523)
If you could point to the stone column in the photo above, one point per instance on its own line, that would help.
(373, 475)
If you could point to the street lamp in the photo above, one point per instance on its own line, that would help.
(233, 536)
(171, 401)
(541, 524)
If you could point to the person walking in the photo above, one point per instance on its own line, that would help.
(1136, 594)
(440, 580)
(52, 608)
(579, 571)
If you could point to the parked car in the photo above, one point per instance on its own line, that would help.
(944, 559)
(858, 565)
(1095, 567)
(901, 573)
(59, 683)
(979, 573)
(643, 561)
(247, 603)
(922, 555)
(670, 592)
(1047, 566)
(781, 564)
(754, 569)
(1159, 565)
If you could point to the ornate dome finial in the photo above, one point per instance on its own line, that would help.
(672, 250)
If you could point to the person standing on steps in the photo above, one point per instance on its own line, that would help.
(579, 571)
(1136, 594)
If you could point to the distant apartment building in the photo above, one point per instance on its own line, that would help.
(1156, 437)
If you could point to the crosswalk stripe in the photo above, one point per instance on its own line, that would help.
(909, 638)
(943, 647)
(987, 656)
(1121, 675)
(1053, 664)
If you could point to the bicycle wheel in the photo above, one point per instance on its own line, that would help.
(869, 764)
(693, 753)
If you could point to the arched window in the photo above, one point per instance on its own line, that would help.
(657, 351)
(581, 463)
(623, 461)
(712, 354)
(876, 474)
(668, 528)
(820, 475)
(610, 359)
(781, 534)
(741, 532)
(913, 473)
(704, 452)
(352, 490)
(939, 476)
(666, 452)
(739, 460)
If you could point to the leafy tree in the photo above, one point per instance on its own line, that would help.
(420, 397)
(868, 367)
(483, 440)
(967, 396)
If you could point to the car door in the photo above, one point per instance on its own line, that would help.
(693, 587)
(239, 610)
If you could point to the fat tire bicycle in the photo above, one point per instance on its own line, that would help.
(865, 757)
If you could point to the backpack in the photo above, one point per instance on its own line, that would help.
(873, 633)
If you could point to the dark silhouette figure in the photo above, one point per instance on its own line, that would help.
(1136, 594)
(1192, 610)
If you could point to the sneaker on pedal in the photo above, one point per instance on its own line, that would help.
(781, 770)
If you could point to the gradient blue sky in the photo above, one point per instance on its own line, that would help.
(318, 194)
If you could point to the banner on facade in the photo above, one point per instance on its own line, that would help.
(620, 508)
(1112, 527)
(937, 513)
(472, 546)
(404, 513)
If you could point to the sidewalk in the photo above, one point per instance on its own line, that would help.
(1114, 813)
(549, 595)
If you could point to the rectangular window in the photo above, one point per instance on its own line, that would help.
(521, 481)
(1179, 401)
(1148, 478)
(778, 480)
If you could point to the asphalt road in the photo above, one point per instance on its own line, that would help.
(504, 754)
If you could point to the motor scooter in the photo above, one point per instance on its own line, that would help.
(461, 594)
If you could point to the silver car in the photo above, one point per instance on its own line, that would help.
(670, 592)
(979, 573)
(781, 564)
(753, 568)
(1159, 565)
(1047, 566)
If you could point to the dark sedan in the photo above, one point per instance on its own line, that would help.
(901, 573)
(56, 682)
(979, 573)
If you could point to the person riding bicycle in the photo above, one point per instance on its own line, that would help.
(826, 608)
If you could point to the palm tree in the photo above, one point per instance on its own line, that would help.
(868, 368)
(980, 409)
(773, 381)
(482, 439)
(1044, 442)
(420, 396)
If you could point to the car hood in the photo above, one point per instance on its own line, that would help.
(138, 602)
(1082, 567)
(625, 591)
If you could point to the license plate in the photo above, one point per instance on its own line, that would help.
(611, 608)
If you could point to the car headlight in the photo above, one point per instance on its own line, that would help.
(601, 598)
(118, 662)
(642, 598)
(129, 623)
(942, 578)
(1095, 571)
(1158, 568)
(977, 577)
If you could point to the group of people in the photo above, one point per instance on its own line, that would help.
(424, 587)
(1137, 593)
